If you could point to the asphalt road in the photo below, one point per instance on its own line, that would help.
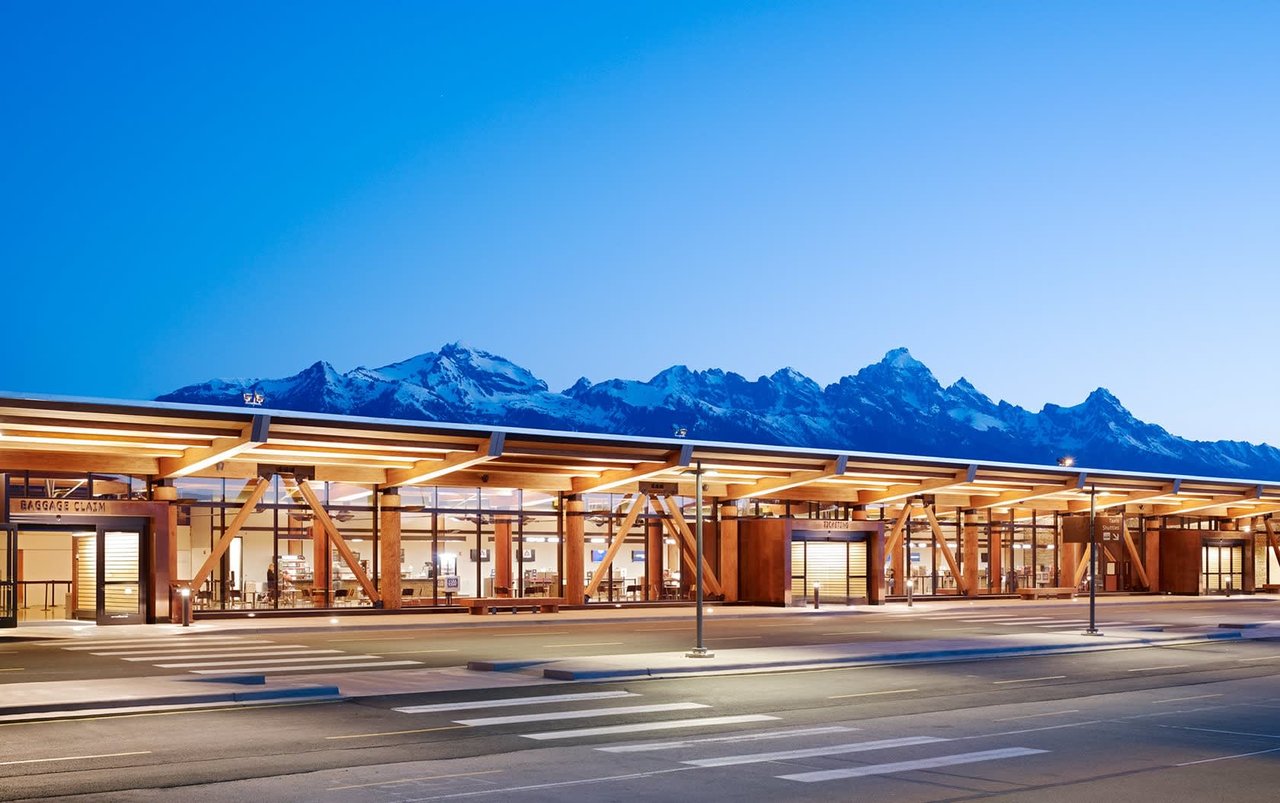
(359, 647)
(1197, 721)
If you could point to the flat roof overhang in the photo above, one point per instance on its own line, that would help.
(168, 441)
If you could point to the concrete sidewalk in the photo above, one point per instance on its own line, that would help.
(64, 699)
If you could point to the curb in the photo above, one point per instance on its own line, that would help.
(121, 705)
(889, 658)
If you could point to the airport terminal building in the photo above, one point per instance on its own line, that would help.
(122, 512)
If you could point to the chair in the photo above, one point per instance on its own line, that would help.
(341, 596)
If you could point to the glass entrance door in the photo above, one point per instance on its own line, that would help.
(1223, 568)
(8, 576)
(120, 567)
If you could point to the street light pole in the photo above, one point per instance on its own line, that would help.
(699, 650)
(1093, 563)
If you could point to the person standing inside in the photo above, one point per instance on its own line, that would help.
(273, 584)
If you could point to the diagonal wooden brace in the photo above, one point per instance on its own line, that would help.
(682, 531)
(322, 516)
(233, 529)
(614, 548)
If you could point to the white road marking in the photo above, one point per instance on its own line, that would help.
(264, 660)
(1227, 758)
(1028, 680)
(1180, 699)
(811, 752)
(142, 643)
(74, 758)
(851, 633)
(143, 654)
(870, 693)
(589, 713)
(910, 766)
(1263, 658)
(373, 638)
(586, 644)
(1158, 668)
(733, 638)
(268, 651)
(758, 736)
(241, 669)
(1216, 730)
(514, 701)
(1045, 714)
(639, 727)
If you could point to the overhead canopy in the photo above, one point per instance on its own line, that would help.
(169, 441)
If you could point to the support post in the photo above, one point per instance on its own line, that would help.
(389, 535)
(699, 649)
(575, 541)
(728, 574)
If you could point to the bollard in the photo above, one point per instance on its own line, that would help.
(815, 595)
(185, 593)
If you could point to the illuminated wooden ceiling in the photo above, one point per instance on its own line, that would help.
(168, 441)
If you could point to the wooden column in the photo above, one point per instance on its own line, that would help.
(165, 571)
(969, 564)
(897, 561)
(321, 593)
(654, 552)
(389, 535)
(575, 542)
(995, 554)
(502, 557)
(729, 551)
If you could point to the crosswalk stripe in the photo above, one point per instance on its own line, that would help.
(1015, 620)
(304, 668)
(546, 699)
(1085, 622)
(196, 651)
(255, 657)
(264, 660)
(548, 716)
(98, 645)
(811, 752)
(757, 736)
(640, 727)
(909, 766)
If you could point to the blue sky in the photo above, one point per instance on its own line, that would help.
(1044, 197)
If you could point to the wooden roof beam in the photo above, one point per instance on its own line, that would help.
(608, 480)
(221, 450)
(1197, 505)
(1020, 498)
(1137, 497)
(765, 487)
(898, 492)
(489, 449)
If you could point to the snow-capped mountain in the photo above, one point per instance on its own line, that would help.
(895, 405)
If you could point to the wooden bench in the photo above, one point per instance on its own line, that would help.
(478, 606)
(1050, 593)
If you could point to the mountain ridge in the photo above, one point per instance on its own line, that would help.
(894, 405)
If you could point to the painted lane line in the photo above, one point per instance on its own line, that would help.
(1263, 658)
(659, 629)
(267, 652)
(264, 660)
(788, 624)
(870, 693)
(590, 713)
(733, 638)
(585, 644)
(74, 758)
(1228, 758)
(1216, 730)
(546, 699)
(372, 638)
(1158, 668)
(1028, 680)
(759, 736)
(394, 733)
(812, 752)
(414, 780)
(1180, 699)
(911, 766)
(852, 633)
(409, 652)
(526, 635)
(640, 727)
(291, 668)
(1035, 716)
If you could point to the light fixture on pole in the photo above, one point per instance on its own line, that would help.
(908, 579)
(699, 650)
